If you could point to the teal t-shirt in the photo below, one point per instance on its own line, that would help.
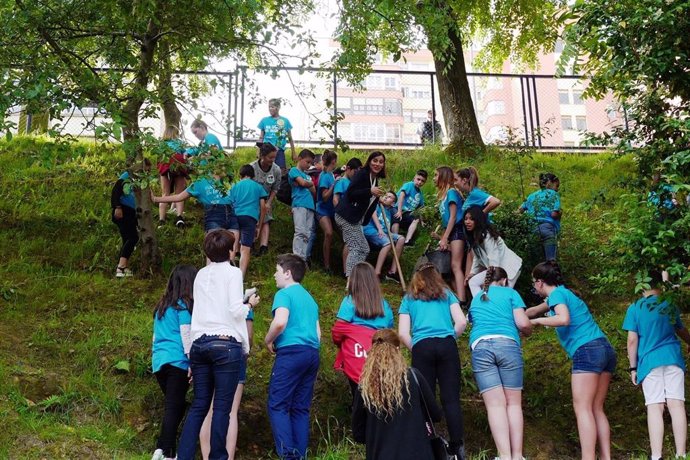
(325, 208)
(341, 186)
(246, 196)
(301, 196)
(127, 198)
(495, 315)
(429, 318)
(370, 228)
(444, 206)
(167, 342)
(210, 140)
(582, 329)
(655, 323)
(207, 192)
(304, 313)
(347, 312)
(275, 130)
(414, 198)
(541, 203)
(476, 197)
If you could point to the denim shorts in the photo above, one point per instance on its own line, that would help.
(497, 362)
(378, 241)
(595, 357)
(247, 227)
(457, 234)
(220, 216)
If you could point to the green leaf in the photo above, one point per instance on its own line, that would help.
(122, 366)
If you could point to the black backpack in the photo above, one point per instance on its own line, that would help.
(284, 193)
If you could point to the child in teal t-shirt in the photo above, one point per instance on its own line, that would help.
(376, 233)
(410, 199)
(248, 199)
(294, 337)
(302, 203)
(325, 210)
(277, 130)
(544, 205)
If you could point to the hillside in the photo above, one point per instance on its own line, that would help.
(75, 347)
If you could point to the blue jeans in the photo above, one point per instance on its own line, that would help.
(215, 364)
(497, 362)
(290, 391)
(549, 239)
(220, 216)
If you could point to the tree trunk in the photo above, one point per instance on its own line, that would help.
(171, 113)
(456, 101)
(148, 243)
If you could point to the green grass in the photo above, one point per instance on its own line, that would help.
(66, 322)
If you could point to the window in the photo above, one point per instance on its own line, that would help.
(392, 107)
(391, 82)
(496, 108)
(369, 132)
(415, 117)
(393, 133)
(495, 83)
(577, 98)
(344, 105)
(559, 46)
(417, 66)
(374, 82)
(419, 93)
(563, 97)
(566, 123)
(581, 123)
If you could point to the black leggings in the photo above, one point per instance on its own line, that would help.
(174, 383)
(128, 231)
(439, 361)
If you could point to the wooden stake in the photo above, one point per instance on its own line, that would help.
(395, 253)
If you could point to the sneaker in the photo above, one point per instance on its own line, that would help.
(158, 455)
(161, 223)
(262, 250)
(172, 210)
(393, 277)
(409, 243)
(121, 272)
(179, 223)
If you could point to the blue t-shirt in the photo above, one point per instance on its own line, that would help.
(210, 140)
(655, 323)
(444, 206)
(175, 144)
(347, 312)
(476, 197)
(167, 341)
(325, 208)
(429, 318)
(370, 228)
(495, 315)
(301, 196)
(207, 192)
(582, 329)
(246, 196)
(341, 186)
(541, 203)
(304, 313)
(414, 198)
(661, 197)
(275, 130)
(127, 198)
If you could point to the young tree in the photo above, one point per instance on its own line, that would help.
(51, 50)
(516, 29)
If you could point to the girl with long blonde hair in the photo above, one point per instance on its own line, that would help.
(390, 414)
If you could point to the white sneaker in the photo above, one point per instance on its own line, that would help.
(158, 455)
(122, 272)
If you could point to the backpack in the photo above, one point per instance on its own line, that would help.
(284, 193)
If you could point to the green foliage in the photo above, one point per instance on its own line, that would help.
(635, 50)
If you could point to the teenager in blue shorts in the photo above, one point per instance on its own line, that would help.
(172, 341)
(429, 323)
(410, 199)
(376, 234)
(656, 362)
(452, 237)
(325, 210)
(303, 207)
(467, 181)
(593, 357)
(341, 186)
(278, 131)
(294, 337)
(248, 199)
(544, 205)
(498, 318)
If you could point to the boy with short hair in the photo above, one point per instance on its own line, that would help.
(376, 234)
(278, 131)
(248, 199)
(294, 337)
(302, 203)
(410, 198)
(656, 361)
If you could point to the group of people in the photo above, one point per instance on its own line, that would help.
(203, 322)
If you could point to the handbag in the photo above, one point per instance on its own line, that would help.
(439, 445)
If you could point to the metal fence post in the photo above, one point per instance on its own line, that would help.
(228, 124)
(536, 111)
(524, 109)
(433, 109)
(335, 109)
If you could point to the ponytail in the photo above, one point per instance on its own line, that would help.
(493, 274)
(471, 174)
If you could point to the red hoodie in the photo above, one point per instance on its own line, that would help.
(353, 341)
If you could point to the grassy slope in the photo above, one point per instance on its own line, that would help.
(65, 321)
